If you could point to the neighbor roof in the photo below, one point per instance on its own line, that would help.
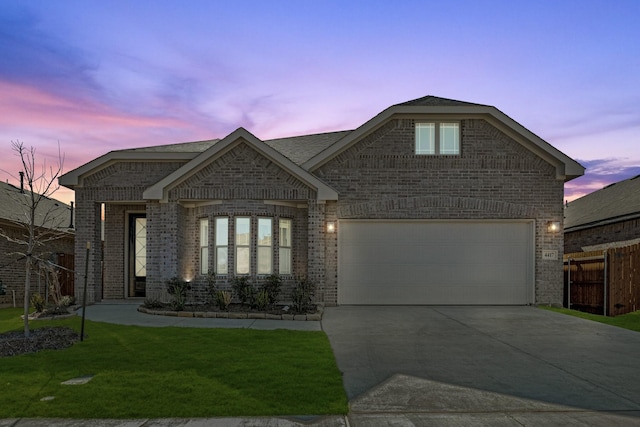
(614, 203)
(15, 208)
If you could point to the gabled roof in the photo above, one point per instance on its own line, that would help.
(159, 190)
(303, 154)
(15, 208)
(614, 203)
(566, 167)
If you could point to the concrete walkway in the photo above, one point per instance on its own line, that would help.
(443, 366)
(125, 313)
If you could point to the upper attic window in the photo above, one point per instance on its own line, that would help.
(438, 138)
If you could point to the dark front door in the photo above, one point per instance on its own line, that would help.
(137, 255)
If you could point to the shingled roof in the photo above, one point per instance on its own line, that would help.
(15, 207)
(614, 203)
(435, 101)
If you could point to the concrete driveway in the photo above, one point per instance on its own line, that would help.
(512, 364)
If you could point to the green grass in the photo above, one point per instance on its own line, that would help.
(172, 372)
(627, 321)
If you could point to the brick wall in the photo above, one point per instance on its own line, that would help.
(494, 177)
(12, 265)
(616, 232)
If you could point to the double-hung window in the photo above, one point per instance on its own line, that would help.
(265, 243)
(204, 246)
(243, 245)
(222, 245)
(438, 138)
(285, 246)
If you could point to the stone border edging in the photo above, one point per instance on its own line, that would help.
(317, 316)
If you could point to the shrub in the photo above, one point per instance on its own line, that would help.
(271, 286)
(152, 303)
(302, 294)
(223, 299)
(178, 290)
(243, 289)
(212, 293)
(38, 302)
(66, 301)
(262, 300)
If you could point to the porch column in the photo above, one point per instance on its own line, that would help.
(162, 247)
(88, 230)
(316, 246)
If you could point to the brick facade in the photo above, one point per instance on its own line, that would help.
(12, 265)
(574, 241)
(378, 176)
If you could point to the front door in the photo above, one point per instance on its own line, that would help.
(137, 255)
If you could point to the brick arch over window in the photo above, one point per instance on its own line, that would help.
(435, 205)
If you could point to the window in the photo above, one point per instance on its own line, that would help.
(265, 250)
(222, 245)
(243, 245)
(285, 246)
(204, 246)
(438, 138)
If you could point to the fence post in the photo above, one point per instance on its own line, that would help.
(606, 261)
(569, 284)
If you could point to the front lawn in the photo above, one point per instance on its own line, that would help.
(628, 321)
(172, 372)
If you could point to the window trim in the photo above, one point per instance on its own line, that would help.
(204, 245)
(259, 246)
(218, 245)
(286, 247)
(437, 146)
(246, 246)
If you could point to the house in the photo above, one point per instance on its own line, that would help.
(606, 218)
(53, 218)
(432, 201)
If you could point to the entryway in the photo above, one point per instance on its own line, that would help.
(137, 250)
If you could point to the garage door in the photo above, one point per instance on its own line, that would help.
(435, 262)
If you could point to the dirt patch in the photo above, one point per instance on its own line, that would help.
(47, 338)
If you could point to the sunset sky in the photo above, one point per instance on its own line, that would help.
(95, 76)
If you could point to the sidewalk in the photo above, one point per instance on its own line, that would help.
(125, 312)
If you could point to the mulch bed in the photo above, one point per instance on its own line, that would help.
(46, 338)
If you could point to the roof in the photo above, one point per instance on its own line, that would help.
(434, 101)
(183, 147)
(432, 106)
(15, 207)
(614, 203)
(309, 152)
(158, 191)
(299, 149)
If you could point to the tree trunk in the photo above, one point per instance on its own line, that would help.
(27, 283)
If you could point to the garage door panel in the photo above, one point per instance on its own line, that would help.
(414, 262)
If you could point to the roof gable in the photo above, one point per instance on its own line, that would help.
(159, 190)
(566, 168)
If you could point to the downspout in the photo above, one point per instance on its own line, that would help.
(606, 259)
(71, 219)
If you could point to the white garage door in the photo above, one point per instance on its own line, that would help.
(435, 262)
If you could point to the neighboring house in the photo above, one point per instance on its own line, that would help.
(432, 201)
(609, 217)
(53, 218)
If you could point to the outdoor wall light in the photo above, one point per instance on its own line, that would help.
(331, 227)
(553, 226)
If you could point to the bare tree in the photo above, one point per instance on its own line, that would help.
(40, 220)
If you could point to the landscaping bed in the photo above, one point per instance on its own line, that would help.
(236, 311)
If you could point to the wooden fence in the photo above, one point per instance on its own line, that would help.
(603, 282)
